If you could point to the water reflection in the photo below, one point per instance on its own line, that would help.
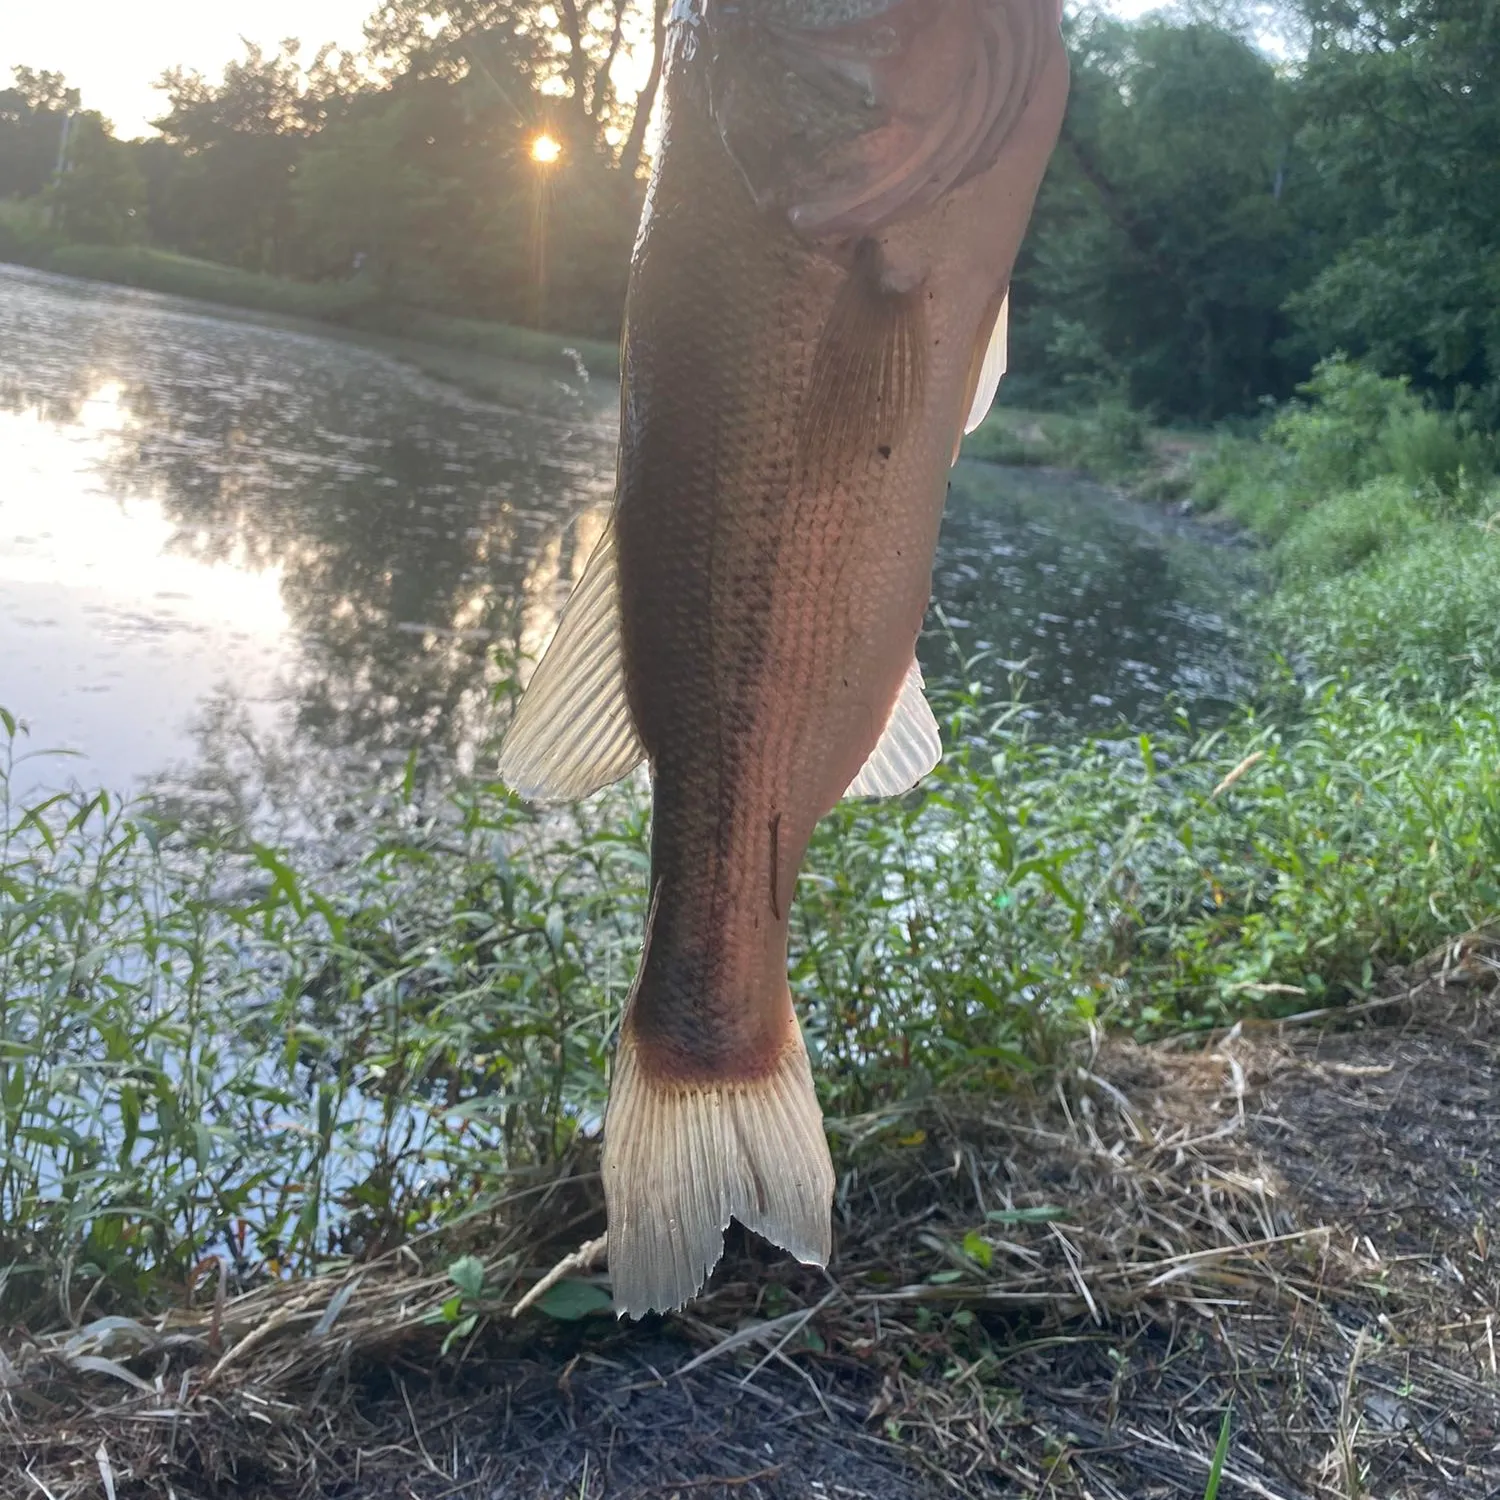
(271, 559)
(287, 521)
(1110, 611)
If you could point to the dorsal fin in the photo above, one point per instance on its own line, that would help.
(573, 732)
(909, 747)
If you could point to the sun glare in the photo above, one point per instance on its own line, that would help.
(545, 149)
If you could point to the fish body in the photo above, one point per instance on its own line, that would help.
(816, 293)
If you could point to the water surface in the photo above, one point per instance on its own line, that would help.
(229, 546)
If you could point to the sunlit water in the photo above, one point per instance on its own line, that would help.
(226, 544)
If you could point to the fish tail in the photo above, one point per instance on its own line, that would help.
(681, 1159)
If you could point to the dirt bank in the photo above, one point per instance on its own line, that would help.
(1059, 1294)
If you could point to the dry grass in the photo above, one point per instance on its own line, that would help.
(1057, 1295)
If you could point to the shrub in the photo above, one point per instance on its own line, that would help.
(1359, 425)
(1108, 442)
(1423, 618)
(1349, 527)
(1440, 452)
(26, 236)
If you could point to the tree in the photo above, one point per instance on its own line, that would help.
(45, 92)
(560, 63)
(1162, 249)
(99, 195)
(1401, 103)
(33, 121)
(367, 190)
(240, 141)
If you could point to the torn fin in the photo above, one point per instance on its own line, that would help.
(573, 732)
(909, 747)
(991, 367)
(682, 1159)
(867, 373)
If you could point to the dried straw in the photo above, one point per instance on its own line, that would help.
(1057, 1293)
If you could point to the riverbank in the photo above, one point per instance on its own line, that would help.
(1111, 444)
(1078, 1289)
(485, 357)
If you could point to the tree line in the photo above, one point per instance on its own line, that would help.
(1215, 220)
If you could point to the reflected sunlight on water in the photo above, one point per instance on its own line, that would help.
(252, 567)
(110, 636)
(216, 533)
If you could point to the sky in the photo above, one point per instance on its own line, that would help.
(112, 51)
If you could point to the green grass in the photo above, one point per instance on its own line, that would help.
(494, 340)
(347, 304)
(203, 1047)
(187, 276)
(1011, 435)
(1350, 527)
(207, 1046)
(1110, 443)
(1422, 619)
(1351, 469)
(1221, 1453)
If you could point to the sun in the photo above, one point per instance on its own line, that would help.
(545, 149)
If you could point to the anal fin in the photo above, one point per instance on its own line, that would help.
(573, 733)
(908, 748)
(682, 1159)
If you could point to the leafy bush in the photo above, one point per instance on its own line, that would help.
(1009, 436)
(1335, 435)
(1251, 482)
(1360, 425)
(1108, 442)
(1354, 469)
(1423, 619)
(1349, 527)
(26, 237)
(1439, 451)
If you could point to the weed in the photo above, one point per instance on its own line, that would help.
(207, 1049)
(204, 1050)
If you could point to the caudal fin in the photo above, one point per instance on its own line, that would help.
(681, 1160)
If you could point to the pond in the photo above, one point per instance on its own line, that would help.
(233, 549)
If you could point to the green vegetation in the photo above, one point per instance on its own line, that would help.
(1213, 223)
(1110, 442)
(211, 1045)
(403, 177)
(348, 305)
(187, 276)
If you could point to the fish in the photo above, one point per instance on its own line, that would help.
(816, 311)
